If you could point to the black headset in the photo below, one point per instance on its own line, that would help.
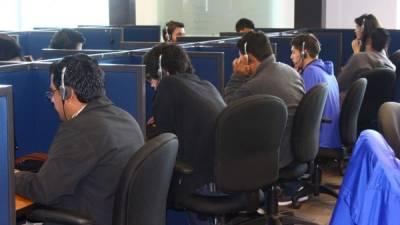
(64, 92)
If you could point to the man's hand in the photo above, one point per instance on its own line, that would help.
(240, 66)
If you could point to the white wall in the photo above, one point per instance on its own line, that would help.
(205, 17)
(341, 13)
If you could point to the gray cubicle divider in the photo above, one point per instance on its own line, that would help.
(35, 119)
(7, 190)
(132, 45)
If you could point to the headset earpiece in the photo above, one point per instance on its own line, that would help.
(167, 36)
(160, 70)
(246, 56)
(303, 50)
(64, 92)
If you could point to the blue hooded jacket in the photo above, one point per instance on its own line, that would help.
(315, 73)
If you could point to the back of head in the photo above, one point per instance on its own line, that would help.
(82, 74)
(9, 49)
(244, 23)
(170, 28)
(380, 39)
(174, 60)
(66, 39)
(311, 44)
(258, 45)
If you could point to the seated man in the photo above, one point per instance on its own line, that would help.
(9, 49)
(67, 39)
(373, 57)
(305, 50)
(244, 25)
(186, 106)
(90, 149)
(257, 72)
(172, 30)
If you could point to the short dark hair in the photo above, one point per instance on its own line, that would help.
(244, 23)
(380, 39)
(311, 43)
(170, 28)
(174, 60)
(82, 74)
(258, 45)
(369, 23)
(66, 39)
(9, 48)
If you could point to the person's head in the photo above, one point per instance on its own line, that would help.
(305, 48)
(172, 30)
(67, 39)
(79, 79)
(244, 25)
(256, 47)
(365, 24)
(173, 61)
(9, 49)
(378, 40)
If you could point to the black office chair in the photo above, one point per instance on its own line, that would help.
(389, 124)
(395, 58)
(142, 190)
(347, 124)
(380, 89)
(248, 135)
(305, 143)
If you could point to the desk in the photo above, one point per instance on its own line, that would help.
(22, 203)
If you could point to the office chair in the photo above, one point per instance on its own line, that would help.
(142, 190)
(395, 58)
(248, 135)
(305, 144)
(389, 125)
(380, 89)
(348, 120)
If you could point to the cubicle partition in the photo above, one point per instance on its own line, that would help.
(134, 32)
(32, 42)
(102, 37)
(7, 190)
(35, 119)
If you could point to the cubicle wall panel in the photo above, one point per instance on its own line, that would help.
(23, 96)
(7, 193)
(101, 38)
(142, 33)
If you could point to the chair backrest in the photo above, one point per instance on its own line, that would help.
(143, 188)
(389, 124)
(307, 122)
(248, 136)
(395, 58)
(380, 89)
(349, 112)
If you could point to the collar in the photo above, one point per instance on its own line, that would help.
(265, 63)
(79, 111)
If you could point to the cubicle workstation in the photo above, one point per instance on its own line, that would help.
(50, 53)
(32, 42)
(35, 119)
(7, 190)
(133, 45)
(141, 33)
(101, 37)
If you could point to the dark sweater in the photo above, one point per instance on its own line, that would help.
(85, 162)
(188, 107)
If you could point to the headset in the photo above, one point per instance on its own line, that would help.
(245, 52)
(64, 92)
(303, 51)
(167, 34)
(160, 70)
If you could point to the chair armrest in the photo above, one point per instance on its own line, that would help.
(326, 120)
(183, 168)
(58, 216)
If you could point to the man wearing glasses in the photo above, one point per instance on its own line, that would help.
(90, 149)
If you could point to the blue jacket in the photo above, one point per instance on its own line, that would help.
(315, 73)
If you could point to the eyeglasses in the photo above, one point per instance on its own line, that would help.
(49, 94)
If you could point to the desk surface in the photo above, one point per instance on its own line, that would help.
(21, 202)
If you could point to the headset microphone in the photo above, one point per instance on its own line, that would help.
(303, 50)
